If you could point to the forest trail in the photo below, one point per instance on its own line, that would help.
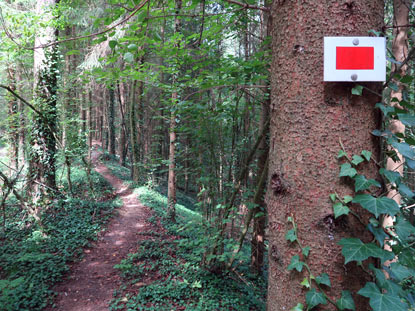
(92, 281)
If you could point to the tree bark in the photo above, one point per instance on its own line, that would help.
(111, 116)
(13, 123)
(122, 150)
(308, 117)
(135, 149)
(42, 169)
(171, 190)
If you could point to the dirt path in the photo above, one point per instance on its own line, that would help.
(93, 280)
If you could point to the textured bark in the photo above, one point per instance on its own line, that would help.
(308, 117)
(111, 116)
(171, 190)
(122, 148)
(42, 168)
(13, 130)
(135, 149)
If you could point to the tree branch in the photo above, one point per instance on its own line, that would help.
(248, 6)
(22, 99)
(42, 46)
(398, 69)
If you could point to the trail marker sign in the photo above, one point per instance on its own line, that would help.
(353, 59)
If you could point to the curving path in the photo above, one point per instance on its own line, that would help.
(92, 281)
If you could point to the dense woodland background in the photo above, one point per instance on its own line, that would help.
(186, 98)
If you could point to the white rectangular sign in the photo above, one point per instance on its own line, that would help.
(354, 59)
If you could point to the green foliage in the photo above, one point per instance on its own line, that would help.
(176, 257)
(34, 258)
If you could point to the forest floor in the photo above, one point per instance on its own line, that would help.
(92, 281)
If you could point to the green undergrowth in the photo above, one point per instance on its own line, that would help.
(34, 257)
(166, 271)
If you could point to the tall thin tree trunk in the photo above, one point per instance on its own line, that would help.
(171, 190)
(13, 123)
(111, 125)
(136, 97)
(122, 150)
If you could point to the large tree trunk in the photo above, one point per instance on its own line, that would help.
(43, 140)
(308, 118)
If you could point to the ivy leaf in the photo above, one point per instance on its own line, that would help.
(357, 90)
(385, 109)
(406, 119)
(346, 301)
(355, 250)
(361, 183)
(378, 233)
(340, 209)
(341, 154)
(403, 228)
(400, 272)
(367, 155)
(404, 149)
(356, 159)
(314, 298)
(393, 86)
(406, 191)
(291, 236)
(306, 251)
(347, 170)
(377, 206)
(323, 279)
(298, 307)
(332, 197)
(296, 264)
(393, 177)
(347, 199)
(306, 283)
(380, 301)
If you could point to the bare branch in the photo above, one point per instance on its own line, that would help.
(248, 6)
(137, 8)
(22, 99)
(398, 69)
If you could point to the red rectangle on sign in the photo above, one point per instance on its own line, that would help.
(350, 57)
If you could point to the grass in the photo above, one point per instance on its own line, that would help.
(33, 258)
(166, 273)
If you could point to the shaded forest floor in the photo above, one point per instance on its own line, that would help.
(92, 281)
(140, 261)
